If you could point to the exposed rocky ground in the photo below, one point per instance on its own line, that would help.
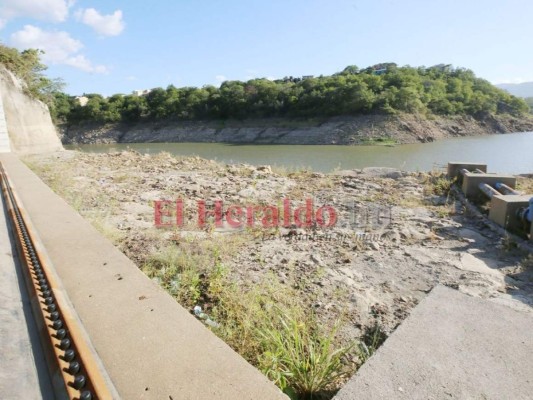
(407, 128)
(366, 269)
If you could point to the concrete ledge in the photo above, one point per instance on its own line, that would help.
(151, 347)
(503, 210)
(452, 346)
(455, 166)
(471, 182)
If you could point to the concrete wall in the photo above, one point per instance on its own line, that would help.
(5, 146)
(29, 126)
(151, 347)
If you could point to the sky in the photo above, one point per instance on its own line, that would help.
(108, 47)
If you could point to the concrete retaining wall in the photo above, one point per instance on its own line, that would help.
(29, 126)
(151, 347)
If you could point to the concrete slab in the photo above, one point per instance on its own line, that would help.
(151, 347)
(455, 166)
(471, 183)
(503, 210)
(23, 372)
(452, 346)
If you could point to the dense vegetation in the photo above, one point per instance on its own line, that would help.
(27, 66)
(386, 88)
(383, 88)
(529, 101)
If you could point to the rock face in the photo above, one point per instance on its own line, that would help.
(29, 127)
(364, 129)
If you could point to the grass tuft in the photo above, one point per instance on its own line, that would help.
(299, 358)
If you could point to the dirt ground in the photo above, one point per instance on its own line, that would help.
(396, 236)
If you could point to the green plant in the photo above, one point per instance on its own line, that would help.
(176, 271)
(373, 338)
(298, 357)
(527, 262)
(508, 243)
(437, 183)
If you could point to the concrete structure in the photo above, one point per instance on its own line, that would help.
(503, 210)
(82, 100)
(471, 183)
(5, 146)
(142, 92)
(23, 372)
(150, 346)
(29, 126)
(452, 346)
(455, 166)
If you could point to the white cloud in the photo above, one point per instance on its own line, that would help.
(58, 46)
(515, 80)
(80, 61)
(105, 25)
(44, 10)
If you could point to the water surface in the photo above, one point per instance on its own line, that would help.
(510, 153)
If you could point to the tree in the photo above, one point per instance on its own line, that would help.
(383, 88)
(61, 107)
(27, 66)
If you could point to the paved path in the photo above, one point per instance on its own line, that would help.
(452, 346)
(23, 373)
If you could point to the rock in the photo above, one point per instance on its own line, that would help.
(468, 262)
(317, 259)
(247, 192)
(437, 200)
(382, 172)
(375, 245)
(267, 169)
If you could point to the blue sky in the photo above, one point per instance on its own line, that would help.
(111, 47)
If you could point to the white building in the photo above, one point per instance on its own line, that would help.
(141, 92)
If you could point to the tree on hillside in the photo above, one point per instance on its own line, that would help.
(27, 66)
(382, 88)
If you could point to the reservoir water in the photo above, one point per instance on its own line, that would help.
(509, 153)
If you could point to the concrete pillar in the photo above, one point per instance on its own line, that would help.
(455, 166)
(503, 210)
(5, 146)
(471, 183)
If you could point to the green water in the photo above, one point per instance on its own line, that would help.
(509, 153)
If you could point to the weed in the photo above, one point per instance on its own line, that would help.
(525, 184)
(372, 339)
(508, 243)
(380, 141)
(298, 357)
(527, 262)
(108, 230)
(437, 183)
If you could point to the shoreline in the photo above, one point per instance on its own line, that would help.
(359, 130)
